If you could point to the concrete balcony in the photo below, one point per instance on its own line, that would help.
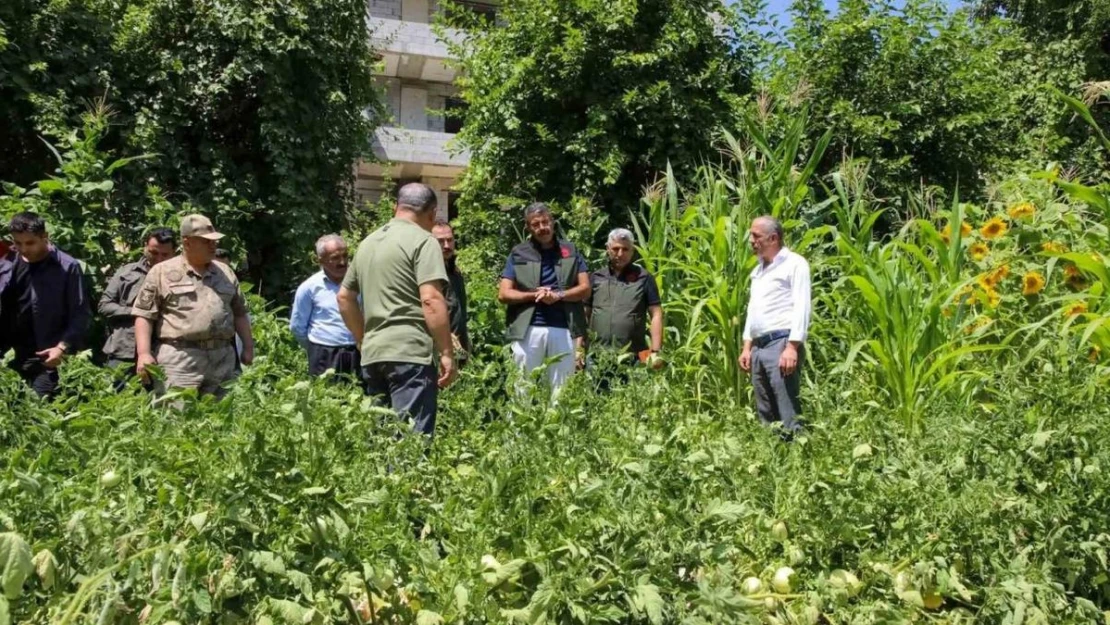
(412, 50)
(417, 153)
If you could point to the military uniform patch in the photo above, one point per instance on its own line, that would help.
(146, 299)
(175, 276)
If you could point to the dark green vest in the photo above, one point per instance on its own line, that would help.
(526, 264)
(619, 309)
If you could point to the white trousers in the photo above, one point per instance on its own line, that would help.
(539, 345)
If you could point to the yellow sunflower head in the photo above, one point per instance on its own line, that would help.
(1032, 283)
(1077, 308)
(946, 231)
(978, 251)
(993, 298)
(993, 228)
(995, 277)
(1021, 211)
(1052, 247)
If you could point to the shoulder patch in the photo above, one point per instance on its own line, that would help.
(175, 275)
(146, 299)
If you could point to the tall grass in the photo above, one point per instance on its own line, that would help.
(695, 241)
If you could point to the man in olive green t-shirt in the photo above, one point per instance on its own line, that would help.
(403, 321)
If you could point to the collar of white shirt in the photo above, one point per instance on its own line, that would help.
(779, 258)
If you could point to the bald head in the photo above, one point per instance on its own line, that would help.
(416, 197)
(766, 237)
(416, 202)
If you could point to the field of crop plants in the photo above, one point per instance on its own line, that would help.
(955, 470)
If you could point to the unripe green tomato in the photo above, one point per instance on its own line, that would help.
(751, 585)
(110, 479)
(778, 530)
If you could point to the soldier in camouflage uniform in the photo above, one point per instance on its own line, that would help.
(191, 307)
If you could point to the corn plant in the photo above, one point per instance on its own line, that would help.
(910, 324)
(695, 241)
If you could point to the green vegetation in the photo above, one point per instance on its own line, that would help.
(249, 112)
(953, 469)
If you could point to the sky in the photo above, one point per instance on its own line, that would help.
(780, 6)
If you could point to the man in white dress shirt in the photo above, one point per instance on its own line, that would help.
(776, 326)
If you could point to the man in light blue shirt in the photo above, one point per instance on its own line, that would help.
(315, 319)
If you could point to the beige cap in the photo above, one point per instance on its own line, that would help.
(199, 226)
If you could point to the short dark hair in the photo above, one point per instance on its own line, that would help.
(27, 222)
(163, 236)
(443, 223)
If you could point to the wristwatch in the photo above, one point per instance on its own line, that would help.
(63, 346)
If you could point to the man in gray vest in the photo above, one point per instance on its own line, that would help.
(776, 326)
(624, 298)
(544, 283)
(119, 298)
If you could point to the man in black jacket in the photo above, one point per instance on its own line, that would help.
(44, 309)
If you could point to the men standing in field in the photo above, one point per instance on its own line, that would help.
(456, 291)
(776, 325)
(544, 283)
(119, 298)
(44, 311)
(624, 303)
(398, 270)
(315, 320)
(192, 308)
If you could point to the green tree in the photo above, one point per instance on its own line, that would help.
(592, 97)
(1086, 21)
(926, 96)
(255, 110)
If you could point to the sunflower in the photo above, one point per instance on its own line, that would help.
(978, 251)
(1053, 247)
(995, 277)
(993, 298)
(946, 232)
(1032, 283)
(993, 228)
(1077, 308)
(1074, 278)
(976, 325)
(1021, 211)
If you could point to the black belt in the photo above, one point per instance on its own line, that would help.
(208, 344)
(770, 337)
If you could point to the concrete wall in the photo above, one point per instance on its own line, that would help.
(409, 102)
(389, 9)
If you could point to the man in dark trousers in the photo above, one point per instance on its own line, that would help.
(402, 325)
(45, 312)
(315, 320)
(119, 298)
(456, 291)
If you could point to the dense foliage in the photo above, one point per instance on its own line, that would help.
(592, 98)
(952, 470)
(252, 112)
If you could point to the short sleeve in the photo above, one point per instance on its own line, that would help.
(580, 264)
(429, 263)
(148, 301)
(509, 273)
(238, 303)
(350, 279)
(651, 290)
